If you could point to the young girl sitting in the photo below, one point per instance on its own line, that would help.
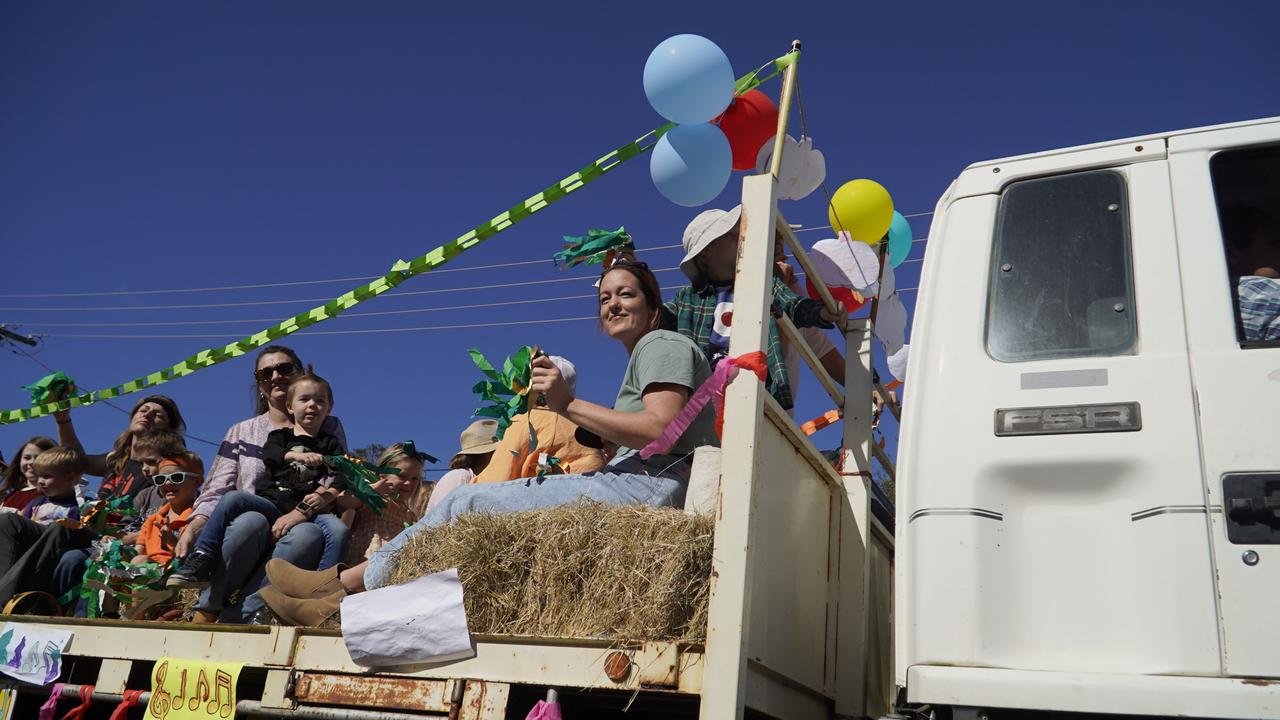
(19, 486)
(370, 530)
(298, 488)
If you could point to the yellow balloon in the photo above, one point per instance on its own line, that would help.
(863, 208)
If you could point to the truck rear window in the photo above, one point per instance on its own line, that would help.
(1061, 280)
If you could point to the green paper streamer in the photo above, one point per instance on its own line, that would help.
(49, 386)
(592, 248)
(108, 570)
(400, 271)
(359, 476)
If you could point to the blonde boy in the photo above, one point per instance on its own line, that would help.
(58, 470)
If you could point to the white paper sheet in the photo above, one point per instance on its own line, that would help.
(419, 621)
(32, 654)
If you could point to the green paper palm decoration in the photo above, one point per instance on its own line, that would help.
(506, 391)
(50, 387)
(598, 246)
(360, 475)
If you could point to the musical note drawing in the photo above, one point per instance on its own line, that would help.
(202, 691)
(159, 705)
(222, 681)
(181, 697)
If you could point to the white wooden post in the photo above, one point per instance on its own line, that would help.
(855, 525)
(724, 679)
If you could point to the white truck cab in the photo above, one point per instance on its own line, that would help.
(1088, 487)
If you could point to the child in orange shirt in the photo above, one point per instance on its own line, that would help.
(178, 479)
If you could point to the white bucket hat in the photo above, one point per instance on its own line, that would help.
(568, 372)
(701, 231)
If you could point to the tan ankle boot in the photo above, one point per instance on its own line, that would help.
(290, 580)
(206, 617)
(308, 612)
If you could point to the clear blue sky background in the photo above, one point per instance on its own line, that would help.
(149, 146)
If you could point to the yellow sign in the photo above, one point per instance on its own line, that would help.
(193, 690)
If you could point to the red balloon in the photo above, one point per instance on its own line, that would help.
(852, 301)
(749, 122)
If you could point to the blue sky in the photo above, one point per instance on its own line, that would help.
(153, 146)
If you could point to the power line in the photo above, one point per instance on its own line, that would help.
(108, 403)
(191, 306)
(295, 283)
(461, 326)
(189, 323)
(331, 332)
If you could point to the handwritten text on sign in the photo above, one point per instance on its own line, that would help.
(193, 690)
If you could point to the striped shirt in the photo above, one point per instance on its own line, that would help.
(1259, 307)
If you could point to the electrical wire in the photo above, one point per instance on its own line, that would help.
(295, 283)
(189, 323)
(192, 306)
(108, 403)
(421, 328)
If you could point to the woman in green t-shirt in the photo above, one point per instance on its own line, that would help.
(663, 370)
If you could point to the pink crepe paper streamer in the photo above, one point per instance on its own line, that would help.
(50, 706)
(711, 389)
(545, 711)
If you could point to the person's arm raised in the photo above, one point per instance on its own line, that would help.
(662, 402)
(94, 464)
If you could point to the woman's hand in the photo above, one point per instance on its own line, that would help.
(286, 523)
(547, 381)
(189, 535)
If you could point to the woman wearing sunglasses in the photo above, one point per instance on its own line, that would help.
(249, 542)
(663, 369)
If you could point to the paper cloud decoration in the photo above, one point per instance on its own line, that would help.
(845, 264)
(898, 363)
(803, 168)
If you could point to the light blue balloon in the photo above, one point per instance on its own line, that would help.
(688, 79)
(691, 164)
(899, 239)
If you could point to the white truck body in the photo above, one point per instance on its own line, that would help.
(1078, 393)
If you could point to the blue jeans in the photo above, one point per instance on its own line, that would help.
(237, 502)
(247, 544)
(623, 482)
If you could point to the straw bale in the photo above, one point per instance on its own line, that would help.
(585, 570)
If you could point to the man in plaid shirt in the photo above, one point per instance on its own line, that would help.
(1253, 253)
(703, 312)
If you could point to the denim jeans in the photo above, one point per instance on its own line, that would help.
(623, 482)
(241, 541)
(237, 502)
(245, 549)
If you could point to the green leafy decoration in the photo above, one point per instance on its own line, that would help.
(50, 388)
(593, 248)
(507, 392)
(359, 476)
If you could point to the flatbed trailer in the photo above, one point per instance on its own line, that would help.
(799, 617)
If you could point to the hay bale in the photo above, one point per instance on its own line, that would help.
(585, 570)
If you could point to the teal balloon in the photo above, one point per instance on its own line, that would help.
(688, 79)
(691, 164)
(899, 239)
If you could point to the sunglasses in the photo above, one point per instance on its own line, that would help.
(286, 369)
(173, 478)
(627, 261)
